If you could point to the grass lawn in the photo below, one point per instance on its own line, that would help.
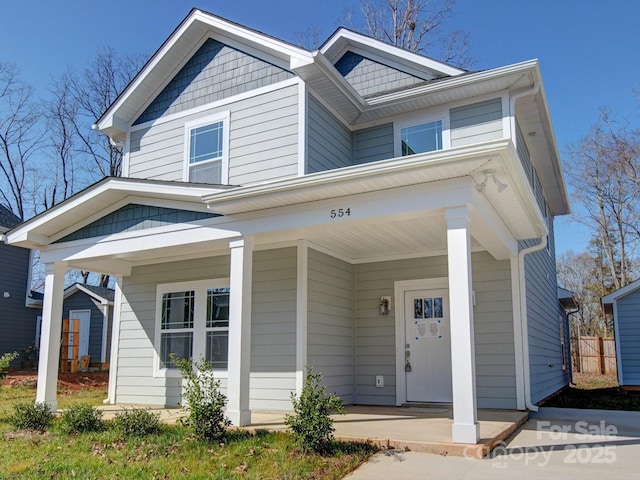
(596, 391)
(173, 453)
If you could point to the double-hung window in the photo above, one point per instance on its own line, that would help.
(206, 150)
(192, 321)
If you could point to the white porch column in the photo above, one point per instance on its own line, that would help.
(301, 314)
(463, 363)
(50, 334)
(240, 331)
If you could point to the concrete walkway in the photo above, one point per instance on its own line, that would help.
(555, 444)
(418, 429)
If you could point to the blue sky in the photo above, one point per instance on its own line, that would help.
(588, 49)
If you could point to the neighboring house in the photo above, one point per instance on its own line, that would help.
(17, 322)
(93, 307)
(370, 212)
(624, 305)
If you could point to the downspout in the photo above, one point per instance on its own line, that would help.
(525, 323)
(543, 243)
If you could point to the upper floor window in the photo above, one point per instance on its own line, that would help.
(206, 150)
(426, 137)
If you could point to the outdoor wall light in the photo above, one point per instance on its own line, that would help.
(385, 303)
(491, 174)
(6, 295)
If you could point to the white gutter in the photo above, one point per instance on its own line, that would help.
(525, 323)
(535, 248)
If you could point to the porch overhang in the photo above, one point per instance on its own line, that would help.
(396, 210)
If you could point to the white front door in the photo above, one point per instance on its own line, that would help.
(427, 346)
(85, 324)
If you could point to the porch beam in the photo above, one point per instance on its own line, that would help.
(50, 334)
(240, 330)
(466, 428)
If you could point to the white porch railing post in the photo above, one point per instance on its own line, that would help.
(240, 331)
(50, 334)
(463, 365)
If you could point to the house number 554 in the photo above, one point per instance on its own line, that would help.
(340, 212)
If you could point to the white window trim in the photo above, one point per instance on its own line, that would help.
(201, 122)
(419, 118)
(199, 348)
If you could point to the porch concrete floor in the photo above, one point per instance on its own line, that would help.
(415, 428)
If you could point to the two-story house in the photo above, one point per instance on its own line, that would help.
(370, 212)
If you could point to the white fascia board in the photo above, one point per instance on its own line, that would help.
(27, 232)
(356, 172)
(261, 41)
(327, 68)
(81, 288)
(455, 82)
(621, 292)
(368, 43)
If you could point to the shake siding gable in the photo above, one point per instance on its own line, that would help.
(263, 143)
(216, 71)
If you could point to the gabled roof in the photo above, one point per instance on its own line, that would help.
(567, 299)
(7, 219)
(608, 300)
(192, 32)
(101, 199)
(102, 294)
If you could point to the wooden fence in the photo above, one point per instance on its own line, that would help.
(594, 355)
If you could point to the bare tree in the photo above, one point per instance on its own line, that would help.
(90, 92)
(602, 169)
(20, 138)
(418, 26)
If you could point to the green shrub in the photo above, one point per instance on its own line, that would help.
(5, 361)
(81, 417)
(311, 422)
(203, 402)
(31, 416)
(137, 422)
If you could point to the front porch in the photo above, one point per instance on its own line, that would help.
(416, 429)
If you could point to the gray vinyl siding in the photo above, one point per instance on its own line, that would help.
(215, 71)
(329, 142)
(545, 351)
(135, 381)
(273, 329)
(628, 319)
(82, 301)
(369, 77)
(17, 322)
(330, 324)
(479, 122)
(523, 153)
(263, 143)
(373, 144)
(493, 320)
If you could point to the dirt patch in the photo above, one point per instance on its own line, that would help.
(66, 381)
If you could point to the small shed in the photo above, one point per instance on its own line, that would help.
(93, 307)
(624, 305)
